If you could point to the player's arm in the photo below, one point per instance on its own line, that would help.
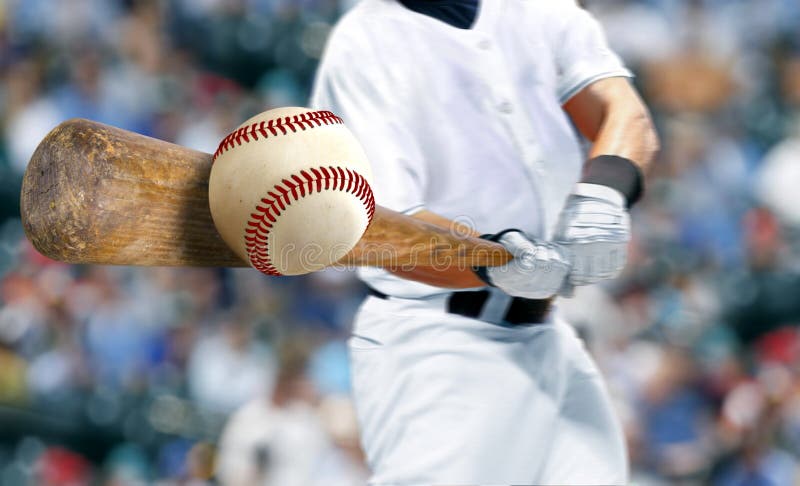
(595, 91)
(594, 225)
(614, 118)
(450, 277)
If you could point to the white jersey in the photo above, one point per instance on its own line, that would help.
(466, 123)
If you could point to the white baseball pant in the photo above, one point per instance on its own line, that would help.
(445, 399)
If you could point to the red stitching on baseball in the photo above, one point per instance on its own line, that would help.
(275, 127)
(284, 193)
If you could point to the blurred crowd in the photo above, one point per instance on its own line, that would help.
(123, 376)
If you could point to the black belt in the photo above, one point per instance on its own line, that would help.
(471, 303)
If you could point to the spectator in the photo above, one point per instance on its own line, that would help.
(229, 368)
(261, 441)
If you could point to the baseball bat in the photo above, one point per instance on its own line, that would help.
(97, 194)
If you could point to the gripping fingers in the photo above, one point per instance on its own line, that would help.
(537, 271)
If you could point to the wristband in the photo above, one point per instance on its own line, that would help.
(617, 173)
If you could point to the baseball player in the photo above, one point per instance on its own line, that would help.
(469, 376)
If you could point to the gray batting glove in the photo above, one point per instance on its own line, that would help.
(538, 270)
(594, 229)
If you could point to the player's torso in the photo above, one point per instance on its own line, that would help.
(484, 110)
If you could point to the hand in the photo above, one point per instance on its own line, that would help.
(537, 271)
(594, 229)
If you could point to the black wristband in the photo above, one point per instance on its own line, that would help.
(482, 272)
(617, 173)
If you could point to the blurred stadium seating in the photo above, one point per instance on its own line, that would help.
(124, 376)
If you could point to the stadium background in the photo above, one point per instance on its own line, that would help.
(123, 376)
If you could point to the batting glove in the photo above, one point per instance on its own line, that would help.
(594, 228)
(537, 271)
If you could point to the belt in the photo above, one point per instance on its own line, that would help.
(479, 304)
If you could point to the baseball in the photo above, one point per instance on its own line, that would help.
(290, 192)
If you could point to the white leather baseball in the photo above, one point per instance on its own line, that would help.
(290, 191)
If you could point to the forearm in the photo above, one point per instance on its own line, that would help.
(452, 277)
(613, 117)
(627, 131)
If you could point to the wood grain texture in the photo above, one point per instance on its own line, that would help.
(98, 194)
(397, 241)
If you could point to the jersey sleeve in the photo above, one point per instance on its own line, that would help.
(582, 52)
(357, 90)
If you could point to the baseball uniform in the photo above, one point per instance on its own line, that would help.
(468, 123)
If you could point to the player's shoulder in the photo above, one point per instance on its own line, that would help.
(547, 7)
(545, 15)
(364, 34)
(365, 21)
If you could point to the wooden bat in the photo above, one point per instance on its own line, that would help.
(98, 194)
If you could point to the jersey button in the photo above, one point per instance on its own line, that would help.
(485, 45)
(505, 107)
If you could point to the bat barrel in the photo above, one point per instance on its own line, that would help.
(98, 194)
(49, 203)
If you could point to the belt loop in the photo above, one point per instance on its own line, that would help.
(496, 306)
